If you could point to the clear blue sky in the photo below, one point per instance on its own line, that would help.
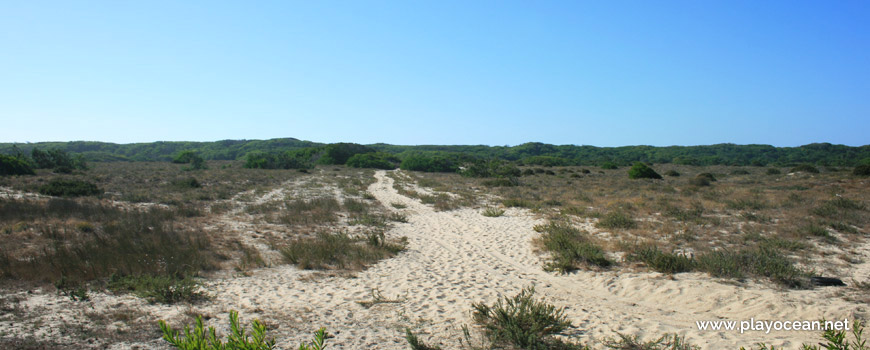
(604, 73)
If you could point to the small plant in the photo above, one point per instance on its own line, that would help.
(666, 342)
(642, 171)
(319, 342)
(673, 173)
(772, 171)
(398, 217)
(837, 340)
(398, 205)
(417, 344)
(862, 170)
(202, 339)
(522, 321)
(159, 289)
(493, 212)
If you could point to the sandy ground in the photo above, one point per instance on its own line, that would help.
(455, 258)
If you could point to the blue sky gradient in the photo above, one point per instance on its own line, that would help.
(603, 73)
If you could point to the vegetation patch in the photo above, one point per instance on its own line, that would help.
(616, 220)
(661, 261)
(14, 166)
(69, 188)
(159, 289)
(569, 248)
(340, 251)
(523, 322)
(642, 171)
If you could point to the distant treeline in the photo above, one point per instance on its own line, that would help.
(291, 152)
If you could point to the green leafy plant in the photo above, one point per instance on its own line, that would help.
(665, 342)
(319, 342)
(522, 321)
(493, 212)
(206, 339)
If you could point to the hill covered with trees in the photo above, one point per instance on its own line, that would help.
(532, 153)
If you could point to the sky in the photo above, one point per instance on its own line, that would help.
(601, 73)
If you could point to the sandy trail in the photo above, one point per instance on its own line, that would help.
(458, 257)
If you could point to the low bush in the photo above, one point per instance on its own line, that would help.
(415, 343)
(673, 173)
(773, 171)
(661, 261)
(642, 171)
(570, 248)
(862, 170)
(523, 322)
(69, 188)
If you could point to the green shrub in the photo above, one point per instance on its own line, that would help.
(609, 166)
(661, 261)
(862, 170)
(57, 158)
(14, 166)
(773, 171)
(202, 339)
(805, 168)
(740, 172)
(190, 157)
(569, 248)
(69, 188)
(376, 160)
(673, 173)
(522, 322)
(616, 219)
(642, 171)
(159, 289)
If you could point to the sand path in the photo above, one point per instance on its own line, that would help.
(458, 257)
